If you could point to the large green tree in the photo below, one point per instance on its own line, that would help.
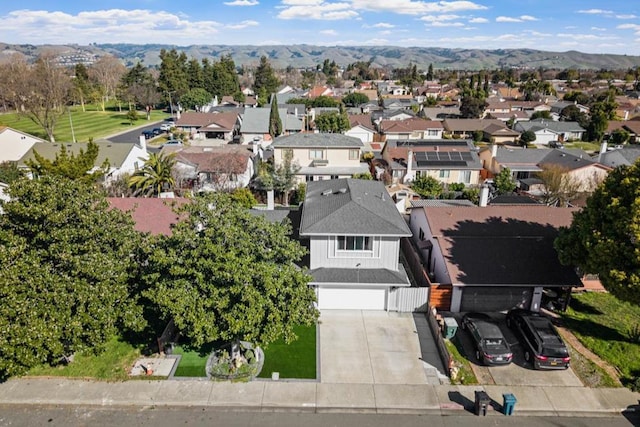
(604, 237)
(265, 81)
(65, 279)
(427, 186)
(333, 122)
(504, 181)
(195, 98)
(174, 74)
(225, 275)
(355, 99)
(275, 123)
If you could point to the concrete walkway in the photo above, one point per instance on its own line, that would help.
(269, 396)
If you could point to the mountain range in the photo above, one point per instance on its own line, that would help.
(305, 56)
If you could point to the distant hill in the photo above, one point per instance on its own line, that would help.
(299, 56)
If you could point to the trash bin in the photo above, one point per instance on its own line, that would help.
(509, 402)
(450, 327)
(482, 402)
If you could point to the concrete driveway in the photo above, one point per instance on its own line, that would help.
(519, 372)
(374, 347)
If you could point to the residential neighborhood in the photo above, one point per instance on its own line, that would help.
(338, 238)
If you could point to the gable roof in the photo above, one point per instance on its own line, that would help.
(226, 159)
(326, 140)
(502, 245)
(363, 120)
(255, 120)
(623, 157)
(226, 120)
(408, 125)
(350, 207)
(552, 125)
(150, 214)
(113, 152)
(458, 154)
(470, 125)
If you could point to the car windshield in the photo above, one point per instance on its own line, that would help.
(494, 342)
(555, 352)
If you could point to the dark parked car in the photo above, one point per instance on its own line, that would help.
(491, 346)
(542, 344)
(148, 134)
(157, 131)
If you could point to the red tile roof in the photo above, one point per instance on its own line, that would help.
(151, 215)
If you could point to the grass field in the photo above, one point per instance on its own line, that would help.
(465, 374)
(608, 327)
(113, 364)
(86, 124)
(296, 360)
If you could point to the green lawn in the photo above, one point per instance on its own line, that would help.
(608, 327)
(113, 364)
(88, 124)
(583, 145)
(296, 360)
(465, 375)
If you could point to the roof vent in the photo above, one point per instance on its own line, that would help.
(342, 190)
(327, 192)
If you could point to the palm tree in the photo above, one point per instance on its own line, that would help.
(155, 176)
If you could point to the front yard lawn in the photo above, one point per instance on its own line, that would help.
(113, 364)
(608, 327)
(465, 375)
(296, 360)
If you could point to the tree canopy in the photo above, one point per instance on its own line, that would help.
(427, 186)
(219, 282)
(65, 279)
(355, 99)
(275, 123)
(265, 82)
(69, 165)
(155, 176)
(504, 181)
(334, 122)
(604, 237)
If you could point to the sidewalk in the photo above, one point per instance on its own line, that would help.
(270, 396)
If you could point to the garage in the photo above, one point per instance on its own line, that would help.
(351, 299)
(495, 298)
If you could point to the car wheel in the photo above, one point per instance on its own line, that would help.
(527, 356)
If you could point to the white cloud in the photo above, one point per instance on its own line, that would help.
(383, 25)
(447, 24)
(598, 29)
(411, 7)
(589, 37)
(104, 26)
(528, 18)
(478, 20)
(376, 42)
(635, 27)
(243, 24)
(329, 32)
(318, 10)
(626, 16)
(596, 12)
(385, 32)
(437, 18)
(242, 3)
(507, 19)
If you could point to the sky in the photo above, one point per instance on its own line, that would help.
(592, 26)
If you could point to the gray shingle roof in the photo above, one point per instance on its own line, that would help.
(560, 127)
(115, 153)
(335, 140)
(365, 276)
(615, 158)
(350, 207)
(255, 120)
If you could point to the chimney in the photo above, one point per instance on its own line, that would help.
(143, 142)
(270, 202)
(603, 148)
(494, 151)
(484, 196)
(409, 173)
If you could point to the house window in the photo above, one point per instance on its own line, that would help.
(308, 178)
(465, 177)
(316, 154)
(334, 177)
(421, 234)
(432, 132)
(397, 173)
(444, 174)
(354, 154)
(354, 243)
(136, 165)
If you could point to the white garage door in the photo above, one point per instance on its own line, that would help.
(351, 299)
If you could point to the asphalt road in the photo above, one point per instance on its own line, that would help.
(134, 135)
(67, 416)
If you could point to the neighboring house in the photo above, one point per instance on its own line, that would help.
(631, 126)
(400, 103)
(361, 127)
(14, 144)
(499, 134)
(526, 164)
(320, 155)
(123, 158)
(317, 91)
(210, 126)
(440, 113)
(413, 128)
(492, 258)
(402, 195)
(549, 130)
(465, 128)
(354, 233)
(557, 107)
(150, 214)
(254, 126)
(213, 168)
(625, 156)
(380, 115)
(447, 160)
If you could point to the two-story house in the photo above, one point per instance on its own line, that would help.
(447, 160)
(14, 144)
(354, 232)
(320, 155)
(414, 128)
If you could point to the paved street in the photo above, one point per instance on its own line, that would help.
(70, 416)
